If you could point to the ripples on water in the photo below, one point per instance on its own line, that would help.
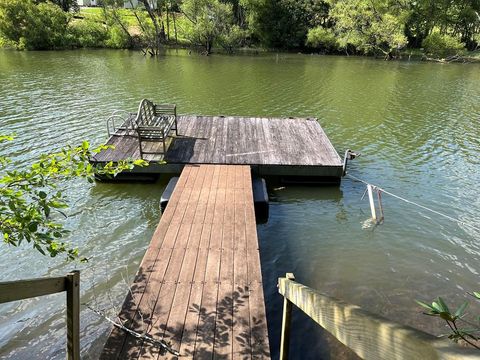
(416, 124)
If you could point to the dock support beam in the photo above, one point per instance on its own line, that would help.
(286, 322)
(73, 315)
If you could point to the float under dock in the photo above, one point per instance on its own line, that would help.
(271, 146)
(199, 286)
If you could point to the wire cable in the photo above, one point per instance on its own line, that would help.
(458, 221)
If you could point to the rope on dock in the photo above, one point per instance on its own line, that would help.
(144, 337)
(458, 221)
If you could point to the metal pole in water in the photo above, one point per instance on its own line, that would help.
(372, 203)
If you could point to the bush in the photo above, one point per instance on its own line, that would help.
(232, 38)
(440, 45)
(88, 33)
(5, 43)
(33, 27)
(321, 38)
(117, 39)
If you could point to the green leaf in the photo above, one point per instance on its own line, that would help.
(476, 294)
(32, 227)
(42, 194)
(426, 306)
(6, 138)
(443, 305)
(85, 145)
(39, 248)
(461, 310)
(436, 307)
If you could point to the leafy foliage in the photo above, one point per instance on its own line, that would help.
(31, 26)
(212, 23)
(88, 33)
(442, 45)
(369, 26)
(359, 26)
(323, 38)
(31, 200)
(440, 309)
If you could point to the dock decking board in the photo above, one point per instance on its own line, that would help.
(199, 286)
(281, 145)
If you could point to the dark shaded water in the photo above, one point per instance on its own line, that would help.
(416, 124)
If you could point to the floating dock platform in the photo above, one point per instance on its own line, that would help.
(199, 286)
(285, 147)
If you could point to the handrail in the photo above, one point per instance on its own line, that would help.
(115, 112)
(112, 119)
(125, 116)
(368, 335)
(24, 289)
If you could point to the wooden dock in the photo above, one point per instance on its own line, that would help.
(199, 286)
(271, 146)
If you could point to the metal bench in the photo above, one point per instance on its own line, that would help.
(153, 123)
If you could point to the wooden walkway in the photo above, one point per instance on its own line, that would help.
(199, 286)
(272, 146)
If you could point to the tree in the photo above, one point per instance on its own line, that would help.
(211, 23)
(159, 35)
(323, 38)
(31, 200)
(370, 26)
(458, 19)
(65, 5)
(283, 23)
(442, 45)
(34, 27)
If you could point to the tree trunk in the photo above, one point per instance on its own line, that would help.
(168, 22)
(117, 19)
(155, 24)
(175, 28)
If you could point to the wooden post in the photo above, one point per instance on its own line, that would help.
(286, 322)
(73, 315)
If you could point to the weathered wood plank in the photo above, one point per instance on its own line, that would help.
(277, 146)
(24, 289)
(368, 335)
(220, 150)
(73, 315)
(195, 289)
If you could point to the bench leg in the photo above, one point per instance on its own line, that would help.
(140, 146)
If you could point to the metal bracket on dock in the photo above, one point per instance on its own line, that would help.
(349, 155)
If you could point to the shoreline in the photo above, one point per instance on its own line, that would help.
(412, 55)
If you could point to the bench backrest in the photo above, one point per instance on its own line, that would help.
(145, 114)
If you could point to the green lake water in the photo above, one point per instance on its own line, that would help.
(416, 124)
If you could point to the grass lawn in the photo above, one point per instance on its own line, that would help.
(96, 13)
(128, 16)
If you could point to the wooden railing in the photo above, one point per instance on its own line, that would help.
(24, 289)
(368, 335)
